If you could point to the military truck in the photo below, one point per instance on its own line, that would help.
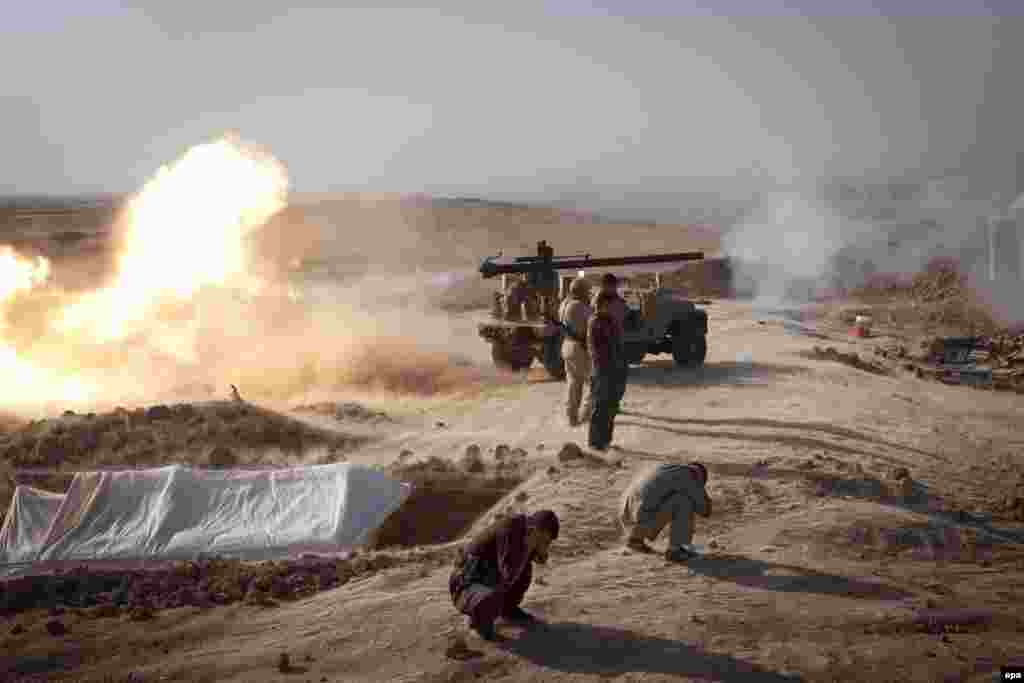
(523, 324)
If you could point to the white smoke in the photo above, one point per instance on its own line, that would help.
(789, 240)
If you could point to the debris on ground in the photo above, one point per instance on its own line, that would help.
(852, 359)
(986, 362)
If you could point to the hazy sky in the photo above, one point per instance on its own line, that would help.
(507, 100)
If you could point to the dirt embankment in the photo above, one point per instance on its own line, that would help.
(222, 433)
(940, 299)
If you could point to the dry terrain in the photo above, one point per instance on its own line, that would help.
(863, 530)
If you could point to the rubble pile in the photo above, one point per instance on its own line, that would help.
(996, 361)
(938, 296)
(1005, 350)
(940, 281)
(207, 583)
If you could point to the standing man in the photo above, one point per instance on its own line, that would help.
(495, 569)
(617, 309)
(604, 346)
(574, 315)
(667, 493)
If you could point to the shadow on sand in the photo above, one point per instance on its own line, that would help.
(577, 648)
(863, 487)
(823, 428)
(785, 578)
(664, 372)
(781, 439)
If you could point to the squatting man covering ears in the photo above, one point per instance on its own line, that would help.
(667, 493)
(494, 570)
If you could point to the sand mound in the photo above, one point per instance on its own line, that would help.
(222, 433)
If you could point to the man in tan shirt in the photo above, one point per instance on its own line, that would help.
(660, 495)
(574, 315)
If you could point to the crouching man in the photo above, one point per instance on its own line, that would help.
(668, 493)
(494, 570)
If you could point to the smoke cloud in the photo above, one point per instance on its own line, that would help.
(284, 305)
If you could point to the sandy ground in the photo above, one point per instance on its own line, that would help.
(816, 564)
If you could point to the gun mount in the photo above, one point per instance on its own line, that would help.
(545, 262)
(525, 325)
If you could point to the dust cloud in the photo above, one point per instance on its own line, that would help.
(799, 245)
(210, 289)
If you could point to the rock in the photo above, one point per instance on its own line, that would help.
(552, 471)
(502, 451)
(69, 413)
(570, 452)
(284, 664)
(522, 496)
(56, 628)
(222, 456)
(440, 424)
(900, 473)
(17, 629)
(540, 447)
(472, 460)
(807, 465)
(458, 649)
(907, 488)
(712, 543)
(160, 412)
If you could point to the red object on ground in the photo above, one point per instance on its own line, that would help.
(858, 332)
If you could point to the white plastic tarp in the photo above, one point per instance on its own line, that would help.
(27, 522)
(176, 512)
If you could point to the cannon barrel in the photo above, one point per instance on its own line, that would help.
(491, 269)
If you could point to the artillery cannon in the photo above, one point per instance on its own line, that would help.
(524, 318)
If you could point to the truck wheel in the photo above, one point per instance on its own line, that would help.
(509, 357)
(689, 352)
(553, 361)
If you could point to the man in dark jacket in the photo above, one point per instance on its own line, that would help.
(603, 342)
(617, 310)
(495, 569)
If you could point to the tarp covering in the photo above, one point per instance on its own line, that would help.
(27, 522)
(176, 513)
